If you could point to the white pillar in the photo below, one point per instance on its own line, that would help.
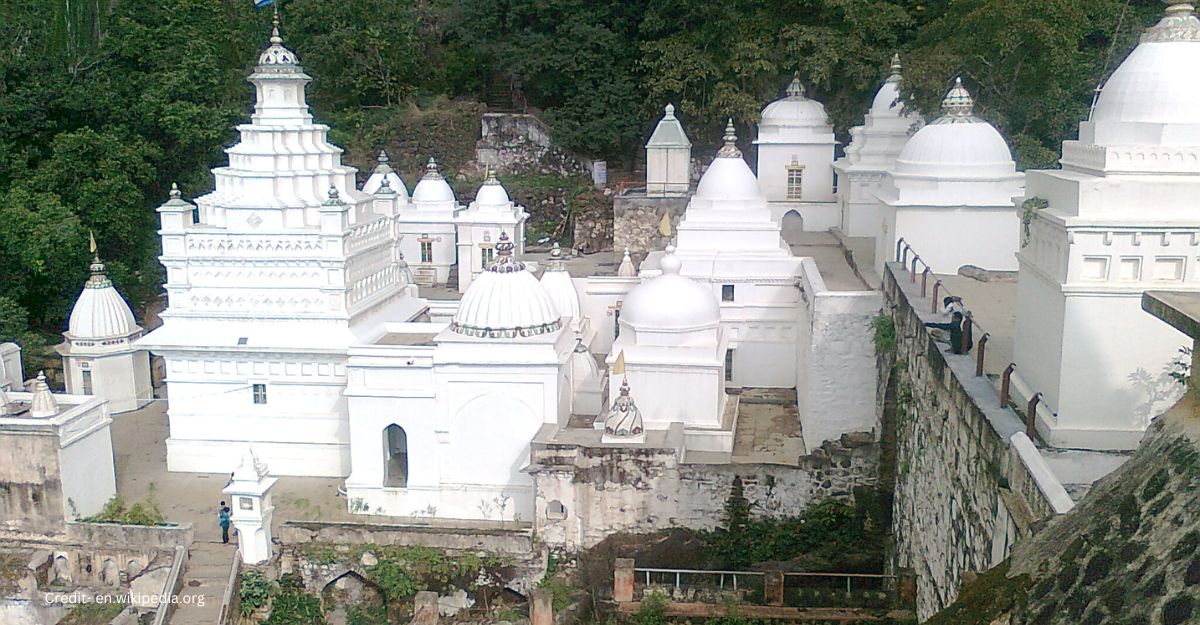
(250, 500)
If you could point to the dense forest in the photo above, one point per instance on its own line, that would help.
(103, 103)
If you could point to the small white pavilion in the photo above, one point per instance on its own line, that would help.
(795, 159)
(668, 158)
(427, 229)
(480, 226)
(98, 350)
(950, 194)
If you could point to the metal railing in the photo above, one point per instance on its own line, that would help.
(675, 578)
(230, 588)
(903, 249)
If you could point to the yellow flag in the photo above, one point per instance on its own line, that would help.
(664, 225)
(91, 242)
(619, 364)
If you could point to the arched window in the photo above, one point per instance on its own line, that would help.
(556, 511)
(395, 449)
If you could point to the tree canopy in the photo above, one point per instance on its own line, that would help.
(104, 103)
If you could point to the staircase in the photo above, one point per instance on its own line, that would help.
(204, 583)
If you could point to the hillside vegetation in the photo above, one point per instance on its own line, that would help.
(104, 103)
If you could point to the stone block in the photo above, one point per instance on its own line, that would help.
(623, 580)
(541, 607)
(425, 608)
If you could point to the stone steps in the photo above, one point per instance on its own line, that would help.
(204, 581)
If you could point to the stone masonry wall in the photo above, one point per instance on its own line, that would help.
(956, 509)
(585, 494)
(636, 219)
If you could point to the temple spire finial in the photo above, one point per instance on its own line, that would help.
(795, 89)
(958, 102)
(275, 38)
(175, 192)
(730, 149)
(1178, 24)
(896, 67)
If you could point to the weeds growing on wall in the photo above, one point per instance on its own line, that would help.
(293, 606)
(401, 571)
(144, 512)
(832, 535)
(884, 336)
(254, 592)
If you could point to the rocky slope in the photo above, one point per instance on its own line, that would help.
(1129, 553)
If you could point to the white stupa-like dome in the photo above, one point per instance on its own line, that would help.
(1156, 86)
(957, 145)
(384, 178)
(728, 177)
(491, 192)
(670, 302)
(795, 109)
(100, 312)
(432, 189)
(276, 54)
(559, 286)
(887, 100)
(505, 301)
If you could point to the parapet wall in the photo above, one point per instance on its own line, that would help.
(969, 483)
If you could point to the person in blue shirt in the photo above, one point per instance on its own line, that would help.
(223, 519)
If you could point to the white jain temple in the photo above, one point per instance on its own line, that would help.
(296, 326)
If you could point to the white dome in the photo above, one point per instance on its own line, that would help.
(957, 144)
(100, 312)
(794, 110)
(276, 54)
(505, 301)
(670, 302)
(728, 177)
(492, 193)
(559, 286)
(887, 100)
(432, 188)
(383, 176)
(1156, 84)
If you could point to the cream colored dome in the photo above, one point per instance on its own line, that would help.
(100, 312)
(728, 177)
(956, 145)
(432, 188)
(559, 286)
(670, 302)
(505, 301)
(1157, 82)
(276, 54)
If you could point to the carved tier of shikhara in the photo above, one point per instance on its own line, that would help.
(295, 325)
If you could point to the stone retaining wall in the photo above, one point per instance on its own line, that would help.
(963, 496)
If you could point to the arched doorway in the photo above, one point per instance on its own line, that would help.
(395, 448)
(792, 225)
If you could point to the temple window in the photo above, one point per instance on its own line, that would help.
(260, 393)
(795, 178)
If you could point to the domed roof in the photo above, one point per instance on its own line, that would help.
(1157, 83)
(887, 100)
(670, 301)
(491, 192)
(385, 179)
(794, 109)
(432, 188)
(276, 54)
(505, 301)
(559, 286)
(728, 177)
(100, 312)
(957, 144)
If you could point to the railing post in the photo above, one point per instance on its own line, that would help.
(913, 278)
(979, 354)
(965, 341)
(899, 242)
(773, 588)
(924, 280)
(1005, 382)
(937, 286)
(1031, 415)
(623, 580)
(904, 256)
